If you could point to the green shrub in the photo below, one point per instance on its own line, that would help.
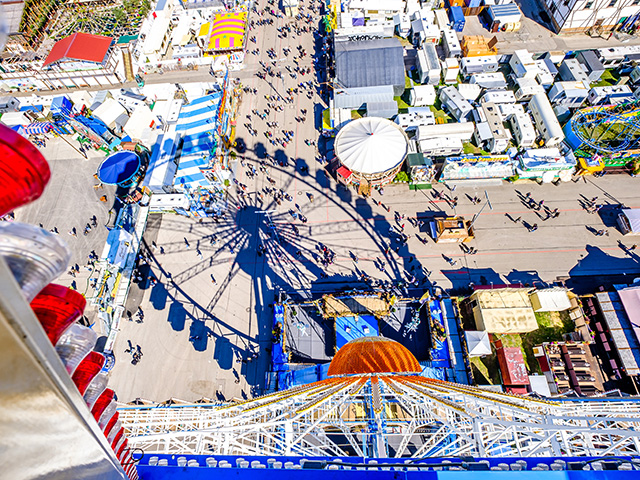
(515, 178)
(401, 177)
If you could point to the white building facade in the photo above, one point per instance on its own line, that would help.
(578, 16)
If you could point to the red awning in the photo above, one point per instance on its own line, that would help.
(345, 173)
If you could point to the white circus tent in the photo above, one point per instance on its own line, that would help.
(371, 145)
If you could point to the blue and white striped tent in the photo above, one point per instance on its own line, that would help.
(198, 122)
(37, 128)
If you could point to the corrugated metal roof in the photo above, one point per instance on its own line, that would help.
(512, 366)
(12, 12)
(369, 63)
(384, 109)
(504, 10)
(355, 97)
(550, 300)
(621, 332)
(633, 215)
(630, 298)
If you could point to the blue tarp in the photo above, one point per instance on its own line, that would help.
(350, 328)
(305, 375)
(432, 372)
(119, 168)
(96, 125)
(61, 105)
(311, 374)
(456, 344)
(32, 108)
(440, 349)
(278, 357)
(284, 380)
(323, 371)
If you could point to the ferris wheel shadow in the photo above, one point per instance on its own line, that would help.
(259, 239)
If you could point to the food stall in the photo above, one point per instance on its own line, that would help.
(421, 171)
(451, 229)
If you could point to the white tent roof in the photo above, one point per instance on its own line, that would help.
(153, 42)
(11, 119)
(478, 343)
(371, 145)
(139, 121)
(80, 98)
(633, 215)
(111, 113)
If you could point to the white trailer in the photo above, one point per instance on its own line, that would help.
(545, 120)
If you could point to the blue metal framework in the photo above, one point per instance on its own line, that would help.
(608, 129)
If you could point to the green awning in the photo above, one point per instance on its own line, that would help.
(124, 39)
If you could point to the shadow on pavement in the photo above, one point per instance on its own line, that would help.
(158, 296)
(177, 316)
(223, 353)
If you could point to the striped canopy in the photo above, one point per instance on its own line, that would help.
(226, 32)
(37, 128)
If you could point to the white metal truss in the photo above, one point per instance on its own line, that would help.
(389, 416)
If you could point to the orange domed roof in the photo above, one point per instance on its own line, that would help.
(373, 355)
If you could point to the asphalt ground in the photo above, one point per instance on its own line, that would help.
(69, 201)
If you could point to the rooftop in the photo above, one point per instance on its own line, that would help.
(369, 63)
(80, 46)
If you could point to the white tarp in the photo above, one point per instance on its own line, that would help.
(633, 216)
(371, 145)
(478, 343)
(80, 98)
(117, 248)
(550, 300)
(539, 385)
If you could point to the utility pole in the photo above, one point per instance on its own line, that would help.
(488, 202)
